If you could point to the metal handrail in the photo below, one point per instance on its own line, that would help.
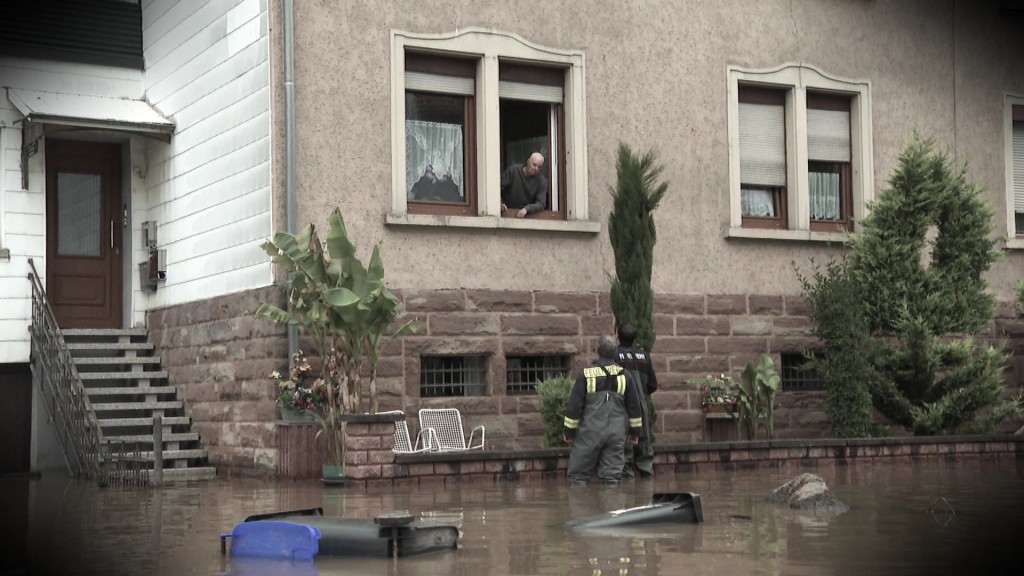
(64, 395)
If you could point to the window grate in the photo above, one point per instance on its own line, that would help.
(797, 377)
(523, 372)
(442, 376)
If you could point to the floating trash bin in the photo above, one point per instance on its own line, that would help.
(274, 539)
(392, 534)
(669, 507)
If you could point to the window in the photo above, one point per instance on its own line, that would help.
(523, 372)
(442, 376)
(1015, 171)
(468, 105)
(797, 376)
(800, 158)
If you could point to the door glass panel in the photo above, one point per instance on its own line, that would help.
(78, 214)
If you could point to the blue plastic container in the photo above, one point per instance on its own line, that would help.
(275, 539)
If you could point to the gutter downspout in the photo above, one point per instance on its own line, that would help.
(289, 146)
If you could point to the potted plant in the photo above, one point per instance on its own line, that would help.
(717, 393)
(756, 398)
(301, 394)
(346, 309)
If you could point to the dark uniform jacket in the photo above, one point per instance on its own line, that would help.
(605, 391)
(639, 361)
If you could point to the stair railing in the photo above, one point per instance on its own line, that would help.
(63, 393)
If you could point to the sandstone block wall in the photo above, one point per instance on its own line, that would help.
(219, 356)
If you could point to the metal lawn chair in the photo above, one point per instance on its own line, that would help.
(403, 440)
(444, 428)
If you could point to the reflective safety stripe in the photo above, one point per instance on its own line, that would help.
(597, 372)
(636, 422)
(620, 384)
(591, 384)
(574, 423)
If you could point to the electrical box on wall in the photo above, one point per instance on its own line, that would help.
(149, 234)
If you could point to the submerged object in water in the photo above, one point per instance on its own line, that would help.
(668, 507)
(287, 535)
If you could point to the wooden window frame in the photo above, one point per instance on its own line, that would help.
(835, 103)
(753, 94)
(461, 68)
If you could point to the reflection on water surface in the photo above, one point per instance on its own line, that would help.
(59, 526)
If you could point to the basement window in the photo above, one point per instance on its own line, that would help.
(448, 376)
(796, 376)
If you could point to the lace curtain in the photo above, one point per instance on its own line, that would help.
(437, 145)
(756, 202)
(824, 192)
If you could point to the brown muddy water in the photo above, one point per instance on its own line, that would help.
(922, 518)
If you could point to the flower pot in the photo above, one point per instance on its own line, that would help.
(334, 474)
(293, 415)
(721, 409)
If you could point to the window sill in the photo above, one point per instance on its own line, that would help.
(789, 235)
(494, 223)
(1015, 243)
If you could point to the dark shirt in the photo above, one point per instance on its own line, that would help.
(638, 360)
(518, 191)
(604, 374)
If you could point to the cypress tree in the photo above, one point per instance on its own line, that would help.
(636, 194)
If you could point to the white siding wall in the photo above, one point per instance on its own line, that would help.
(22, 221)
(209, 191)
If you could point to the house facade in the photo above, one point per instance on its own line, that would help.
(777, 126)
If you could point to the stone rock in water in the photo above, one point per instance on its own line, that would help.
(808, 492)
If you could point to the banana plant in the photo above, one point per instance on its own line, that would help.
(344, 306)
(756, 399)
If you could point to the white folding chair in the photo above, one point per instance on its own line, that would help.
(445, 430)
(403, 440)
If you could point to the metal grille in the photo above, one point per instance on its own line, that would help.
(795, 376)
(453, 376)
(523, 372)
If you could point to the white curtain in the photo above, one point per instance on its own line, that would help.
(755, 202)
(435, 144)
(824, 192)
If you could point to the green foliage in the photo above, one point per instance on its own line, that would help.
(1020, 294)
(554, 398)
(755, 398)
(345, 307)
(636, 194)
(896, 316)
(842, 327)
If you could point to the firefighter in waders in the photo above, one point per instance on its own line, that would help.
(604, 408)
(637, 362)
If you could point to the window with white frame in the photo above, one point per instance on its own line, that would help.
(468, 105)
(1015, 171)
(800, 153)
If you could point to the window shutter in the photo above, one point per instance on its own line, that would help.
(1018, 167)
(423, 82)
(828, 135)
(530, 92)
(762, 144)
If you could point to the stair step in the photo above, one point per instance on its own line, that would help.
(143, 421)
(109, 346)
(148, 438)
(74, 332)
(151, 375)
(116, 360)
(191, 454)
(172, 475)
(130, 390)
(158, 405)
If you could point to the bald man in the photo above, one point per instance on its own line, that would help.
(524, 188)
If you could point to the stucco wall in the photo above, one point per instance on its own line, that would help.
(655, 78)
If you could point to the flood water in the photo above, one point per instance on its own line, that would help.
(923, 518)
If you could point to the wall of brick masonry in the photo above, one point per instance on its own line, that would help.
(220, 356)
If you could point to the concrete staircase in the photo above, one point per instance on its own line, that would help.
(127, 389)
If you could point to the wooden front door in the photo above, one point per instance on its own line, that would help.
(83, 233)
